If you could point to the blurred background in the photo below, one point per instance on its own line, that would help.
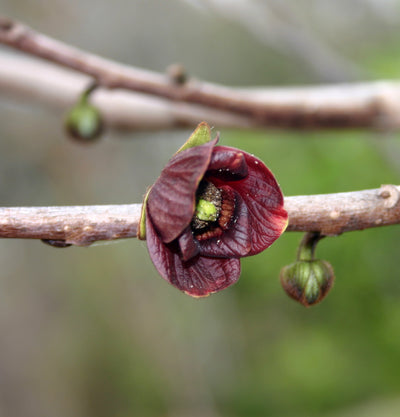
(96, 332)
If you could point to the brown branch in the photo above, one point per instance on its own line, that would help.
(329, 214)
(332, 214)
(30, 81)
(78, 225)
(364, 105)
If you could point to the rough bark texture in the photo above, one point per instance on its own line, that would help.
(329, 214)
(332, 214)
(78, 225)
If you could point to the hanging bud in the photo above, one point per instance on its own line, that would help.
(307, 280)
(83, 122)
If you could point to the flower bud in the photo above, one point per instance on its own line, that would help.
(83, 122)
(307, 282)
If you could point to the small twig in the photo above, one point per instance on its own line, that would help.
(364, 105)
(328, 214)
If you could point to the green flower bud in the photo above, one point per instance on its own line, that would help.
(83, 122)
(307, 282)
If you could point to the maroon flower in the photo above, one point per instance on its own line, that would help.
(210, 206)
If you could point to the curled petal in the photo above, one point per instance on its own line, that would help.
(227, 164)
(172, 198)
(188, 245)
(264, 201)
(197, 277)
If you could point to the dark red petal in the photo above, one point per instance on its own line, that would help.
(198, 277)
(172, 198)
(189, 246)
(235, 241)
(227, 163)
(264, 201)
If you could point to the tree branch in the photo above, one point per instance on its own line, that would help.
(364, 105)
(32, 81)
(329, 214)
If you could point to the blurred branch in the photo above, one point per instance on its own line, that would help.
(330, 214)
(363, 105)
(30, 81)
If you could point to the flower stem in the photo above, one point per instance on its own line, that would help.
(307, 246)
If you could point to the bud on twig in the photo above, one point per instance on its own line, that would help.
(177, 74)
(83, 122)
(307, 280)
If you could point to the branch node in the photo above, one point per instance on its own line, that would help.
(177, 74)
(6, 24)
(390, 194)
(334, 214)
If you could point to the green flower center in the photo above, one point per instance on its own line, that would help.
(206, 211)
(208, 206)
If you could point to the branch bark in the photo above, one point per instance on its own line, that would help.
(30, 81)
(329, 214)
(364, 105)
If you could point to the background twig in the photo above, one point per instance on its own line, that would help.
(30, 81)
(363, 105)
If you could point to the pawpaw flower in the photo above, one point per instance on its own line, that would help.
(211, 206)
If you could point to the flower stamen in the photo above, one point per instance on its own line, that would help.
(227, 208)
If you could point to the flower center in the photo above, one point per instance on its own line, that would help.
(208, 206)
(206, 211)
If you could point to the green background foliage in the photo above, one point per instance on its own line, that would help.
(96, 332)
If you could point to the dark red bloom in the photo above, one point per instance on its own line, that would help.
(210, 206)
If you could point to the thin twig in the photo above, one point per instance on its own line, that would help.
(329, 214)
(364, 105)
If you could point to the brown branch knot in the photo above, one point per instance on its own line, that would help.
(391, 195)
(13, 30)
(6, 24)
